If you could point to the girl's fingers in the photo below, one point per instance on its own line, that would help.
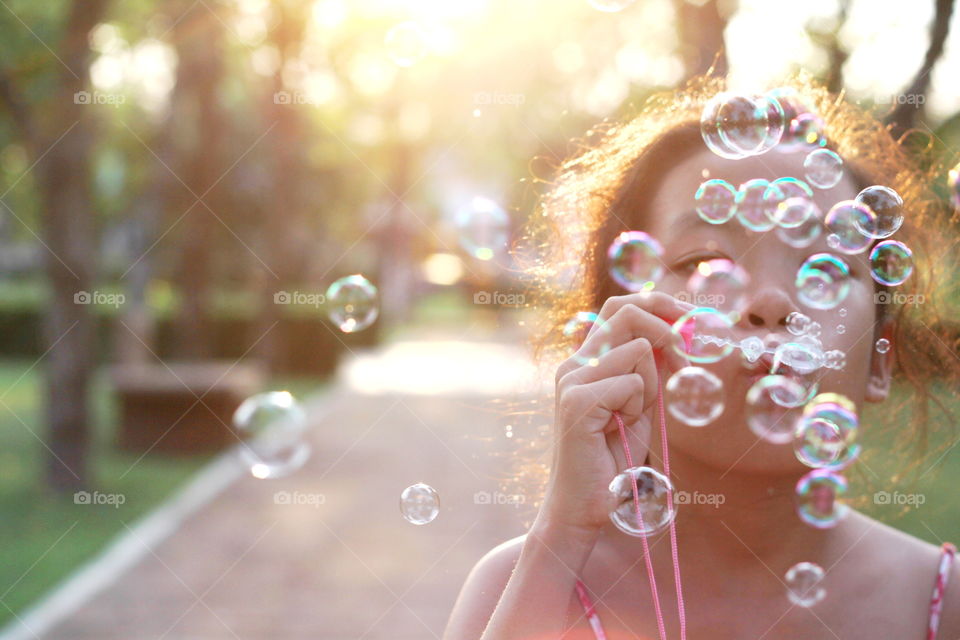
(595, 402)
(635, 356)
(628, 323)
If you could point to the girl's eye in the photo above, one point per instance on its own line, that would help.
(687, 265)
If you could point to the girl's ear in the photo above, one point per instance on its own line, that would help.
(881, 364)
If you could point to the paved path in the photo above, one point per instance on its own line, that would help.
(342, 563)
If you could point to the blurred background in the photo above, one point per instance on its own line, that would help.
(180, 184)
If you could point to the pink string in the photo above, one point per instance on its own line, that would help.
(673, 530)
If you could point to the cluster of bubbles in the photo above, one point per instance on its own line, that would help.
(352, 303)
(273, 425)
(419, 504)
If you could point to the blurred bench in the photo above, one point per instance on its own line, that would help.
(159, 409)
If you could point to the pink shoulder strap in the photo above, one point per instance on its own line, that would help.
(939, 585)
(591, 613)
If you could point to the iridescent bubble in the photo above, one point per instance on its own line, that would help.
(823, 168)
(793, 187)
(803, 584)
(711, 332)
(653, 493)
(757, 202)
(891, 262)
(953, 182)
(807, 130)
(802, 357)
(752, 348)
(352, 303)
(483, 228)
(820, 500)
(798, 323)
(794, 212)
(589, 335)
(610, 6)
(827, 432)
(710, 128)
(767, 415)
(694, 396)
(735, 126)
(887, 206)
(776, 121)
(719, 283)
(419, 504)
(715, 201)
(406, 43)
(635, 260)
(854, 225)
(883, 345)
(835, 359)
(805, 233)
(823, 281)
(273, 426)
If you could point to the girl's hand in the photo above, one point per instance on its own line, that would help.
(587, 451)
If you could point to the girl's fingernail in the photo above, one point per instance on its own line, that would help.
(686, 306)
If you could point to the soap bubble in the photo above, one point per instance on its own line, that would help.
(891, 262)
(798, 323)
(823, 281)
(273, 425)
(352, 303)
(735, 126)
(823, 168)
(419, 503)
(853, 224)
(694, 396)
(835, 359)
(883, 345)
(794, 212)
(803, 584)
(715, 201)
(807, 130)
(483, 228)
(719, 282)
(793, 187)
(805, 233)
(757, 203)
(635, 260)
(827, 431)
(820, 500)
(711, 335)
(406, 43)
(578, 328)
(887, 206)
(653, 492)
(772, 404)
(802, 357)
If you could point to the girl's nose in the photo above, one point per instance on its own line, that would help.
(767, 308)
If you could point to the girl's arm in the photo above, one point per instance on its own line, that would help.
(522, 588)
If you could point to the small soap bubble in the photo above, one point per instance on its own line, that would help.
(854, 225)
(891, 262)
(883, 345)
(715, 201)
(842, 312)
(807, 130)
(804, 234)
(653, 492)
(827, 432)
(835, 359)
(823, 281)
(823, 168)
(841, 329)
(352, 303)
(635, 260)
(887, 206)
(694, 396)
(587, 351)
(704, 322)
(794, 212)
(757, 203)
(419, 504)
(767, 415)
(803, 584)
(820, 498)
(273, 425)
(798, 323)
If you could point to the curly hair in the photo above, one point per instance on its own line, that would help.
(603, 189)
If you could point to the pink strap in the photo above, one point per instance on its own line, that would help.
(939, 586)
(591, 613)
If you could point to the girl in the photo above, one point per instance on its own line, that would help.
(720, 568)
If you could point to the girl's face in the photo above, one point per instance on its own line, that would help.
(771, 295)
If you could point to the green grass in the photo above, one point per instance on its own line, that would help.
(44, 537)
